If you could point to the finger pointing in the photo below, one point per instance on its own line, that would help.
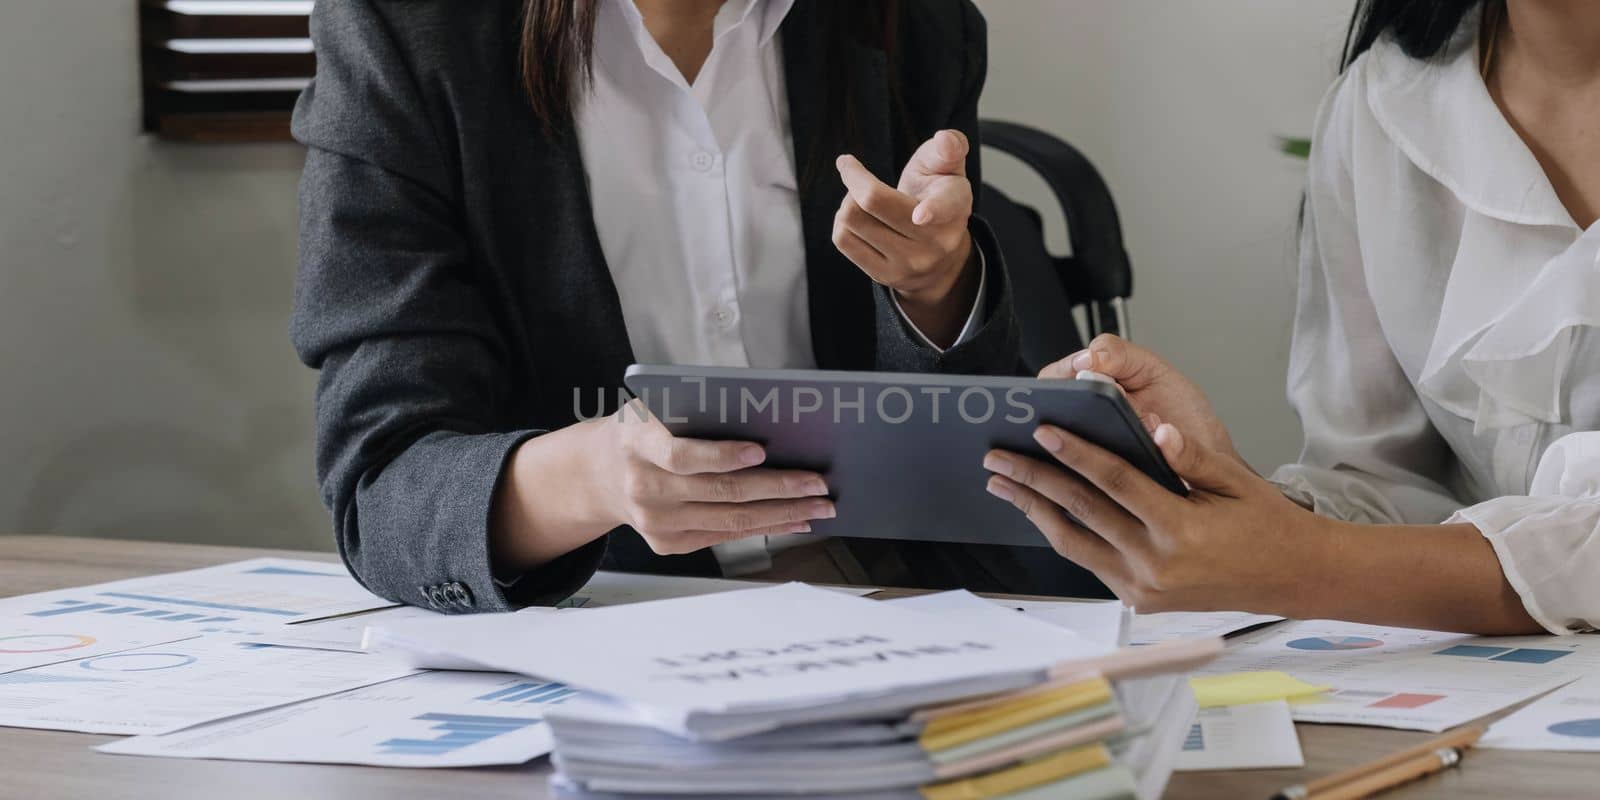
(890, 206)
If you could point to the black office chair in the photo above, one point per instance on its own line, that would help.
(1095, 277)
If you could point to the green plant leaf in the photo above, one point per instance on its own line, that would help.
(1290, 146)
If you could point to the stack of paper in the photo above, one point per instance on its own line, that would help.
(796, 690)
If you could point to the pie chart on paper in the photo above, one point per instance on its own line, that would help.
(1334, 643)
(43, 642)
(1580, 728)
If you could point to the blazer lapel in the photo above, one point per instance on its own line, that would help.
(842, 315)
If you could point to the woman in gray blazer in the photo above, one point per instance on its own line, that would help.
(507, 202)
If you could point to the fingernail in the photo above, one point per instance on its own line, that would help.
(816, 486)
(997, 464)
(919, 216)
(1166, 436)
(1048, 439)
(1083, 360)
(823, 511)
(751, 456)
(804, 527)
(1000, 490)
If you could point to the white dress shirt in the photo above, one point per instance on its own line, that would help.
(697, 204)
(1446, 362)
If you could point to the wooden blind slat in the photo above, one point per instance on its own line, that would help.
(188, 66)
(241, 63)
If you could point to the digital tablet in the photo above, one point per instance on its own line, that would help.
(902, 453)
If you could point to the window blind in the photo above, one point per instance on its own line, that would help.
(223, 70)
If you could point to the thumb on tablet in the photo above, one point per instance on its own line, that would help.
(1199, 465)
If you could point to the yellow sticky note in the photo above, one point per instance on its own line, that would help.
(1240, 688)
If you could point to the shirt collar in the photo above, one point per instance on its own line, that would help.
(1442, 117)
(773, 13)
(769, 15)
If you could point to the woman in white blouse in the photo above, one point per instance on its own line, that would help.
(1445, 365)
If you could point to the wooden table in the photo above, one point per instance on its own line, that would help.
(42, 765)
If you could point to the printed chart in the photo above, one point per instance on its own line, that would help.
(455, 732)
(237, 598)
(436, 719)
(174, 685)
(1323, 643)
(27, 642)
(1401, 678)
(1254, 736)
(539, 693)
(1566, 719)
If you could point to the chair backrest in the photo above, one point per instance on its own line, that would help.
(1096, 277)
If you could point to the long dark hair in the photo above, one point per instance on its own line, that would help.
(1421, 28)
(556, 58)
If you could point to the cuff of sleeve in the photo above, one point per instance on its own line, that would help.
(975, 317)
(551, 583)
(546, 584)
(1296, 495)
(993, 342)
(1494, 520)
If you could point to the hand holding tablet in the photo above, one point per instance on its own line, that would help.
(902, 454)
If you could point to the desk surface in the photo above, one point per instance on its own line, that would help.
(41, 765)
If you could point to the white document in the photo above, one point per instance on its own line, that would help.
(1097, 621)
(1104, 621)
(32, 641)
(1566, 719)
(622, 588)
(172, 686)
(786, 646)
(969, 609)
(1152, 628)
(234, 599)
(436, 719)
(1255, 736)
(344, 634)
(1410, 679)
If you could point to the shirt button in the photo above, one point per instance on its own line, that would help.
(724, 316)
(702, 161)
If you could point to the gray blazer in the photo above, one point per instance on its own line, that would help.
(452, 290)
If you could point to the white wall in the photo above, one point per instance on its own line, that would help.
(1178, 103)
(147, 388)
(146, 385)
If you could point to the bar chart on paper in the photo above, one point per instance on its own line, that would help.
(454, 732)
(244, 597)
(1253, 736)
(436, 719)
(541, 693)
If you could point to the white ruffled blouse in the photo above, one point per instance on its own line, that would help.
(1446, 358)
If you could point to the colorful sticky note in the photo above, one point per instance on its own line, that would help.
(1242, 688)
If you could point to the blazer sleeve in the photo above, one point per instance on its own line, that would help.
(412, 429)
(996, 347)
